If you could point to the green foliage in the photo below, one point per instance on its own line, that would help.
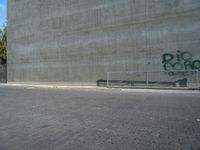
(3, 46)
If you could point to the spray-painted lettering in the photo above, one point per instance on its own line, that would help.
(180, 61)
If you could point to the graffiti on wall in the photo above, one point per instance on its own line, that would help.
(179, 61)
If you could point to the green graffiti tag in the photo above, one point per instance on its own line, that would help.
(180, 61)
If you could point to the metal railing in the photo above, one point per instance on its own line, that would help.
(154, 79)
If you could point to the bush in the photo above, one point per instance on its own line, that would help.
(3, 45)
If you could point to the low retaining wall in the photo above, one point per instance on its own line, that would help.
(3, 73)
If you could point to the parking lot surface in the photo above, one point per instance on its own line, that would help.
(98, 119)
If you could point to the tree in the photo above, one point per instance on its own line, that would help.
(3, 46)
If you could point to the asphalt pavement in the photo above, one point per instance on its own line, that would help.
(34, 118)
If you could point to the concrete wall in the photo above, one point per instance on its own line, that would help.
(3, 73)
(78, 41)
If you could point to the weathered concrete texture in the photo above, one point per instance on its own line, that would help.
(79, 41)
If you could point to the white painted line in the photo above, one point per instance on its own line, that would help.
(160, 91)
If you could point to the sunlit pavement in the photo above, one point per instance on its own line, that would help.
(98, 119)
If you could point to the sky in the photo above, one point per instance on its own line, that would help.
(3, 12)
